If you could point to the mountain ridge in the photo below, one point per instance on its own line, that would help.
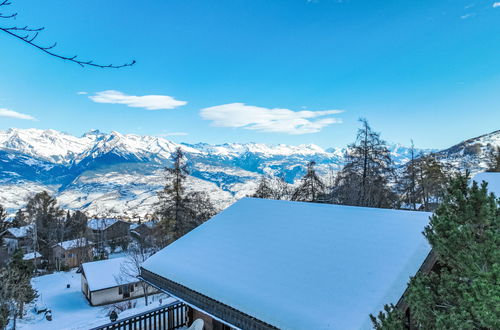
(113, 173)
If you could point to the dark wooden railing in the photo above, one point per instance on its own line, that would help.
(168, 317)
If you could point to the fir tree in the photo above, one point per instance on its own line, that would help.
(179, 211)
(19, 219)
(389, 319)
(3, 216)
(311, 188)
(432, 181)
(364, 180)
(462, 292)
(16, 289)
(264, 189)
(48, 220)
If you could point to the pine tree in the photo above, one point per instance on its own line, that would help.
(3, 216)
(19, 219)
(365, 178)
(179, 211)
(16, 289)
(311, 188)
(432, 179)
(264, 189)
(462, 292)
(407, 183)
(48, 220)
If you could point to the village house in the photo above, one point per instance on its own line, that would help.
(110, 281)
(144, 231)
(72, 253)
(18, 238)
(108, 232)
(268, 264)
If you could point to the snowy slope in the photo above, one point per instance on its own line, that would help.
(114, 174)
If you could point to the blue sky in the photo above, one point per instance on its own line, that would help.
(283, 71)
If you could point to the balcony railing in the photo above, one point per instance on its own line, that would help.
(168, 317)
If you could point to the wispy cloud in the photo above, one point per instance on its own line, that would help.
(467, 16)
(148, 102)
(269, 120)
(14, 114)
(496, 4)
(82, 93)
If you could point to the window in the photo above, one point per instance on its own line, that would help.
(131, 288)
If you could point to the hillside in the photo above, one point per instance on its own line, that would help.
(114, 174)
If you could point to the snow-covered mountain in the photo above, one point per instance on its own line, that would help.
(118, 174)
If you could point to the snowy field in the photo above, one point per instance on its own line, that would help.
(70, 309)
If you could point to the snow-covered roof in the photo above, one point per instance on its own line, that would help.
(74, 243)
(101, 224)
(31, 255)
(20, 232)
(150, 224)
(493, 179)
(108, 273)
(299, 265)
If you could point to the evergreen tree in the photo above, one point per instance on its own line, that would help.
(432, 181)
(389, 319)
(407, 183)
(311, 188)
(264, 189)
(494, 160)
(462, 292)
(3, 216)
(19, 219)
(365, 178)
(16, 289)
(75, 225)
(179, 211)
(48, 220)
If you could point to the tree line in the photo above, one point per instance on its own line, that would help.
(370, 178)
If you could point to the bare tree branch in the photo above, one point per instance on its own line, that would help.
(29, 38)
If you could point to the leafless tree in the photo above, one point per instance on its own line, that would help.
(29, 35)
(136, 255)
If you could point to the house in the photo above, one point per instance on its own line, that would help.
(35, 257)
(18, 238)
(145, 231)
(72, 253)
(268, 264)
(110, 281)
(109, 232)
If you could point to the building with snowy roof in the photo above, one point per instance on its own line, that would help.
(267, 264)
(18, 238)
(72, 253)
(112, 280)
(106, 232)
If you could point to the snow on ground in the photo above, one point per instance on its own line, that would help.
(70, 309)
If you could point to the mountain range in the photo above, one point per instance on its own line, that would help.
(113, 174)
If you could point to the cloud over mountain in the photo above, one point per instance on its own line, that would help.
(262, 119)
(14, 114)
(148, 102)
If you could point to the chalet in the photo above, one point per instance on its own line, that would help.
(110, 281)
(267, 264)
(35, 257)
(106, 232)
(18, 238)
(72, 253)
(144, 231)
